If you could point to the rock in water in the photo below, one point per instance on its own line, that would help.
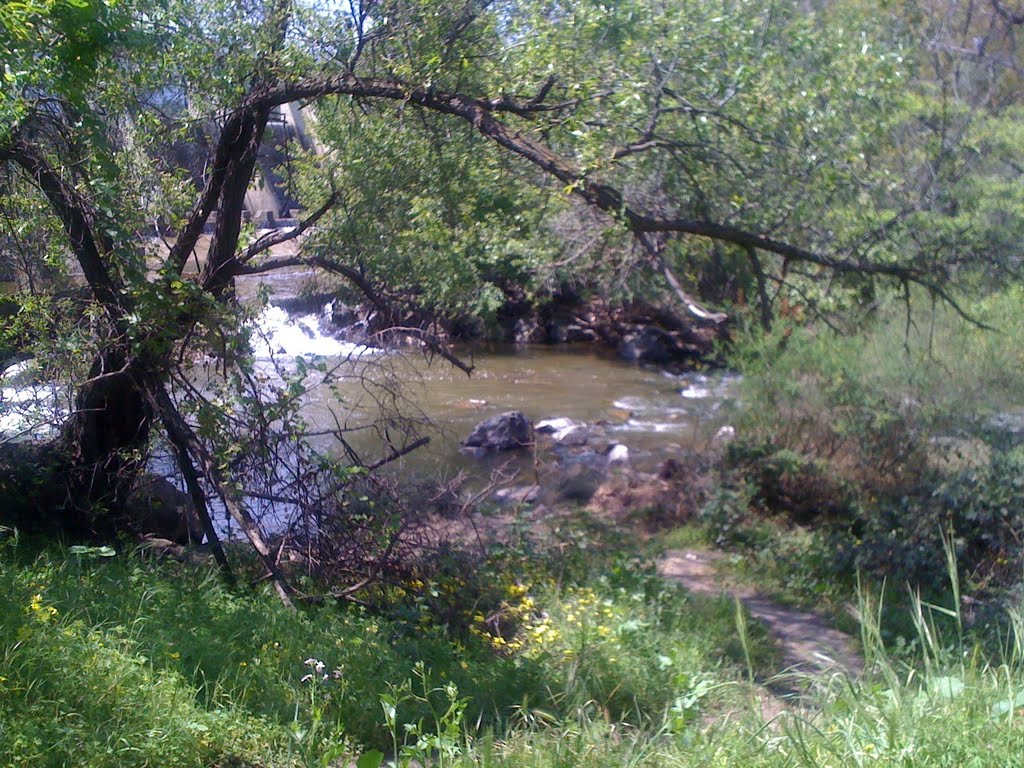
(723, 436)
(648, 345)
(616, 454)
(564, 431)
(581, 481)
(505, 432)
(575, 435)
(551, 426)
(518, 494)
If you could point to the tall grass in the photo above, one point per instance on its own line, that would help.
(121, 662)
(124, 661)
(947, 705)
(869, 402)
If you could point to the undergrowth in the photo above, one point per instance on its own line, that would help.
(108, 657)
(866, 449)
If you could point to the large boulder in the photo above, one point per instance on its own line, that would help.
(505, 432)
(648, 345)
(159, 508)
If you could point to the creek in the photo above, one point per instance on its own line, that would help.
(654, 413)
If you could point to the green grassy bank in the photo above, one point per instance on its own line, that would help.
(121, 661)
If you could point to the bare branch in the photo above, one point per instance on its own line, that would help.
(1013, 17)
(184, 433)
(273, 239)
(207, 201)
(397, 454)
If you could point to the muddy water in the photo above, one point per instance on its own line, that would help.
(654, 413)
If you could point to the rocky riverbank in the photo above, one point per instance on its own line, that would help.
(639, 332)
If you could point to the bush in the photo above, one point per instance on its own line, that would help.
(982, 508)
(886, 440)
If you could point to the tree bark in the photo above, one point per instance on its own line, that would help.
(104, 440)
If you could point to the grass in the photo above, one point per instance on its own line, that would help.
(120, 661)
(124, 661)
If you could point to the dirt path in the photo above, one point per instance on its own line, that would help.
(809, 646)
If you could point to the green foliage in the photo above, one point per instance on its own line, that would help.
(312, 682)
(884, 442)
(105, 661)
(75, 693)
(869, 403)
(431, 212)
(77, 36)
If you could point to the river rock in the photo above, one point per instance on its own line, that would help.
(581, 480)
(164, 511)
(564, 431)
(505, 432)
(575, 333)
(554, 425)
(518, 494)
(343, 316)
(527, 331)
(616, 454)
(648, 345)
(577, 434)
(723, 436)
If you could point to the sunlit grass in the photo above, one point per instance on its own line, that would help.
(120, 662)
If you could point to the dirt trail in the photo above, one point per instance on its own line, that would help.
(809, 646)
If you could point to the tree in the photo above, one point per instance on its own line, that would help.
(746, 137)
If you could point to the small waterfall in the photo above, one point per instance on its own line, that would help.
(278, 334)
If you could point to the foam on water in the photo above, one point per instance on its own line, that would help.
(694, 392)
(277, 334)
(32, 410)
(657, 427)
(13, 373)
(701, 387)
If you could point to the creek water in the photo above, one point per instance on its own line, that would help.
(654, 413)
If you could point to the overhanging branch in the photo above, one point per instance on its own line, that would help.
(76, 217)
(273, 239)
(481, 114)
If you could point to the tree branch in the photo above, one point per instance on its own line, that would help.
(76, 216)
(1013, 17)
(207, 202)
(273, 239)
(480, 113)
(762, 290)
(183, 432)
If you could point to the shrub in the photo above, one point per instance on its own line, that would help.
(885, 440)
